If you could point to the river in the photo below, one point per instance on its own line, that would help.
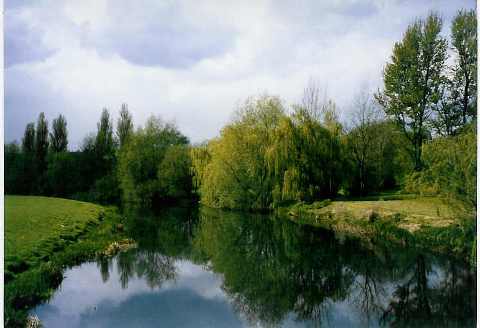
(208, 268)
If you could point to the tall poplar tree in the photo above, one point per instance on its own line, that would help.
(124, 125)
(59, 135)
(41, 143)
(28, 141)
(464, 42)
(104, 143)
(412, 80)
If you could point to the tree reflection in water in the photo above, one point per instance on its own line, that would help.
(274, 269)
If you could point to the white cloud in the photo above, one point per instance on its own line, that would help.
(193, 62)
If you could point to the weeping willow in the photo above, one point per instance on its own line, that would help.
(265, 157)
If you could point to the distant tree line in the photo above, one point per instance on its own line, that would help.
(417, 133)
(110, 167)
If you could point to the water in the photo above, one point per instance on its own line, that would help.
(222, 269)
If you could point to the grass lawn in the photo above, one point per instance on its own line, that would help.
(428, 222)
(422, 211)
(43, 236)
(32, 220)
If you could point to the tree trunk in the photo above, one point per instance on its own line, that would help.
(418, 153)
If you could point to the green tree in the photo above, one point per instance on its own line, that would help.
(174, 173)
(363, 141)
(450, 168)
(28, 141)
(41, 143)
(448, 117)
(104, 144)
(139, 161)
(27, 167)
(63, 174)
(265, 157)
(335, 145)
(124, 125)
(14, 170)
(412, 80)
(200, 157)
(464, 41)
(59, 137)
(237, 176)
(306, 159)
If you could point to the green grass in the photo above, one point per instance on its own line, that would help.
(43, 237)
(415, 213)
(31, 220)
(428, 222)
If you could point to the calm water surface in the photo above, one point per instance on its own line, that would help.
(207, 268)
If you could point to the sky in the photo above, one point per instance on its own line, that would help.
(193, 62)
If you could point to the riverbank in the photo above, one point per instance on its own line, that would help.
(428, 223)
(46, 235)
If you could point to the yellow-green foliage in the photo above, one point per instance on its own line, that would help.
(30, 220)
(237, 175)
(450, 168)
(265, 157)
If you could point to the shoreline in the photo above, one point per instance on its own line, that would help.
(101, 236)
(381, 221)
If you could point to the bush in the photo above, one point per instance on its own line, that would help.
(450, 168)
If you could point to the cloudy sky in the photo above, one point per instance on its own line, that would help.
(192, 61)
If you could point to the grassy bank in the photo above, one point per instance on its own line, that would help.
(424, 222)
(43, 237)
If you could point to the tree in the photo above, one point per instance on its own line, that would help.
(450, 168)
(363, 141)
(448, 118)
(104, 144)
(28, 141)
(174, 173)
(58, 139)
(265, 157)
(315, 101)
(311, 101)
(412, 80)
(332, 124)
(124, 125)
(41, 143)
(237, 175)
(464, 41)
(139, 161)
(26, 177)
(14, 169)
(63, 174)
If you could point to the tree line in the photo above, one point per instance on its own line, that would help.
(114, 164)
(416, 133)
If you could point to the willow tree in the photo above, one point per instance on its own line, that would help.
(237, 175)
(265, 157)
(412, 80)
(304, 159)
(464, 41)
